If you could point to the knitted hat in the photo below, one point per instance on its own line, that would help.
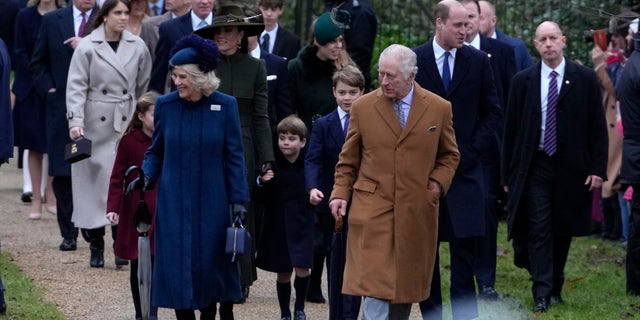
(328, 27)
(193, 49)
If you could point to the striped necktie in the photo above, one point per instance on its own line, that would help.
(550, 136)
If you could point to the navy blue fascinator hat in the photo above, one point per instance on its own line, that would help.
(194, 49)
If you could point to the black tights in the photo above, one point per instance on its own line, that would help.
(208, 313)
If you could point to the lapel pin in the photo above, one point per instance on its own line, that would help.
(489, 55)
(215, 107)
(567, 81)
(432, 129)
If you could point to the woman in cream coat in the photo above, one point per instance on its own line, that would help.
(109, 69)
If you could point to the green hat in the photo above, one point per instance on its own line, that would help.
(328, 29)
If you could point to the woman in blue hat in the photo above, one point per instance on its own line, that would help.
(198, 155)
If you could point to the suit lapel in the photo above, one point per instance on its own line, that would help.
(185, 26)
(335, 128)
(533, 90)
(66, 23)
(384, 106)
(419, 106)
(567, 81)
(460, 68)
(429, 61)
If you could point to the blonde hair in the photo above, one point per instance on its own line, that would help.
(206, 82)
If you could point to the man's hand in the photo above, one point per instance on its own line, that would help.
(593, 182)
(338, 207)
(73, 42)
(435, 186)
(315, 196)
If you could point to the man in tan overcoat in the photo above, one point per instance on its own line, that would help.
(398, 160)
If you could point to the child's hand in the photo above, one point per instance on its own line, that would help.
(315, 196)
(113, 217)
(267, 176)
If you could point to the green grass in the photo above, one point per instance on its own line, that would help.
(24, 300)
(594, 284)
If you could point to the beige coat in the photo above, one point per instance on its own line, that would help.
(101, 95)
(609, 102)
(393, 218)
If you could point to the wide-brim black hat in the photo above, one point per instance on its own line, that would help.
(231, 16)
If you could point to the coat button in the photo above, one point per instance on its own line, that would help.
(124, 91)
(124, 118)
(103, 118)
(104, 91)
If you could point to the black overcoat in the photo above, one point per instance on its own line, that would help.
(582, 146)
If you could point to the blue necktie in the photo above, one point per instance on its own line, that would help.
(550, 136)
(346, 124)
(446, 73)
(265, 43)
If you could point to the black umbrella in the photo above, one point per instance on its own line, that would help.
(336, 269)
(142, 220)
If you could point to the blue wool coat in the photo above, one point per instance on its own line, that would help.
(197, 153)
(6, 125)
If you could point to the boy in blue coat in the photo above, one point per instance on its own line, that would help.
(326, 142)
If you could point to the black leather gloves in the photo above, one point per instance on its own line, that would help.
(238, 210)
(144, 184)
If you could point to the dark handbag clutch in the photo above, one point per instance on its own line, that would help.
(77, 150)
(238, 240)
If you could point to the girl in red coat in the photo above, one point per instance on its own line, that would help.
(120, 208)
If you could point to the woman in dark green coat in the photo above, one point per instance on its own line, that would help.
(245, 78)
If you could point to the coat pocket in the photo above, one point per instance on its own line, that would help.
(365, 185)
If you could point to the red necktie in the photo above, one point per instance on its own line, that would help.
(82, 25)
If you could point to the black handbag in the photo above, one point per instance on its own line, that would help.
(238, 240)
(77, 150)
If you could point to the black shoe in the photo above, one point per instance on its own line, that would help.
(315, 297)
(542, 304)
(299, 315)
(245, 295)
(488, 293)
(97, 258)
(26, 197)
(68, 245)
(120, 262)
(555, 299)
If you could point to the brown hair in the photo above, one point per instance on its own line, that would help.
(293, 125)
(144, 103)
(107, 6)
(273, 4)
(349, 75)
(59, 3)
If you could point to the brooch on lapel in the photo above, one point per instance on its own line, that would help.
(215, 107)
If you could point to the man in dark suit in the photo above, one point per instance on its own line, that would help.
(59, 35)
(170, 32)
(443, 61)
(488, 22)
(554, 154)
(149, 31)
(276, 39)
(502, 61)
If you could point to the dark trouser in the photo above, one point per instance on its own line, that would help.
(464, 304)
(611, 226)
(64, 206)
(547, 252)
(95, 237)
(484, 268)
(633, 244)
(207, 313)
(323, 232)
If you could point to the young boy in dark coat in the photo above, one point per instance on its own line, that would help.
(325, 144)
(286, 243)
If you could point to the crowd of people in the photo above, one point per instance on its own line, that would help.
(230, 117)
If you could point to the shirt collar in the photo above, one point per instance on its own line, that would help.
(159, 3)
(438, 51)
(195, 20)
(271, 33)
(77, 13)
(341, 113)
(255, 52)
(546, 70)
(475, 42)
